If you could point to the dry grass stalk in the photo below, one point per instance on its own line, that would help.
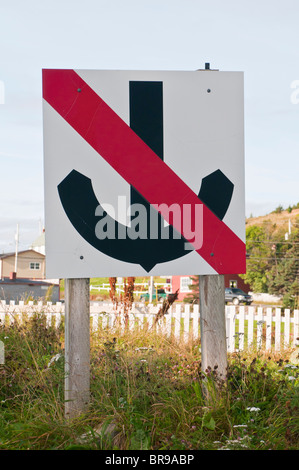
(166, 305)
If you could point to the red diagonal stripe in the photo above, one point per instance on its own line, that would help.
(115, 141)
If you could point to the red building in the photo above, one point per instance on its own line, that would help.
(182, 283)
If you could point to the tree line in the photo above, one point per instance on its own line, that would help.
(272, 264)
(273, 261)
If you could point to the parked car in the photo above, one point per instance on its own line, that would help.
(158, 294)
(237, 296)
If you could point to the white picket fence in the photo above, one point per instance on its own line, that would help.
(246, 327)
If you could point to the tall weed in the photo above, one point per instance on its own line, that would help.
(147, 392)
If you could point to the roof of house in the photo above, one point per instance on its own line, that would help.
(25, 281)
(6, 255)
(39, 241)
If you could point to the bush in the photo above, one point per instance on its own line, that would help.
(278, 210)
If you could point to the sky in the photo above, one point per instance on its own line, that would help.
(257, 37)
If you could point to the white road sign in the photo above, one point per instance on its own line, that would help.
(144, 173)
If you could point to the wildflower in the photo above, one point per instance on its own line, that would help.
(240, 426)
(233, 441)
(122, 402)
(54, 359)
(291, 377)
(253, 408)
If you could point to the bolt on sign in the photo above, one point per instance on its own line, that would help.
(144, 172)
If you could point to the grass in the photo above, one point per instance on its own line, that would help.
(147, 391)
(103, 294)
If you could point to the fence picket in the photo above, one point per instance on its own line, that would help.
(180, 320)
(150, 319)
(259, 328)
(227, 326)
(195, 321)
(57, 319)
(168, 322)
(286, 327)
(2, 318)
(241, 332)
(230, 328)
(250, 326)
(277, 328)
(177, 322)
(112, 319)
(93, 321)
(233, 328)
(104, 321)
(139, 319)
(186, 322)
(268, 328)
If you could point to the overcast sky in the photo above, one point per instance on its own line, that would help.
(258, 37)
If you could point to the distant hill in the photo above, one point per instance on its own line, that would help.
(277, 221)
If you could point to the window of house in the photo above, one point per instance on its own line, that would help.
(185, 283)
(233, 283)
(34, 265)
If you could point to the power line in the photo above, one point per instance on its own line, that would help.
(274, 242)
(273, 258)
(267, 222)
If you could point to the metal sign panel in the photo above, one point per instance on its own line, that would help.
(144, 173)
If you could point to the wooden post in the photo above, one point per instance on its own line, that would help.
(77, 346)
(212, 320)
(151, 289)
(212, 324)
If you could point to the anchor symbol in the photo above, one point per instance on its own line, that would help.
(80, 203)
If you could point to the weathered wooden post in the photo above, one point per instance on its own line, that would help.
(212, 324)
(212, 319)
(77, 346)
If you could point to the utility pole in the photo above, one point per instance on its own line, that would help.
(17, 246)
